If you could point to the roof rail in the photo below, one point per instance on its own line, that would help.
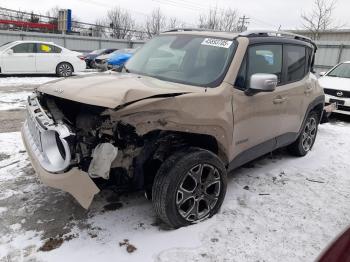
(266, 33)
(185, 29)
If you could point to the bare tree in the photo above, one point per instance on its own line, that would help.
(225, 20)
(229, 20)
(53, 12)
(155, 23)
(320, 18)
(99, 29)
(211, 20)
(140, 33)
(120, 22)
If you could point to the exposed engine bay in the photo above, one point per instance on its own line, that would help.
(107, 150)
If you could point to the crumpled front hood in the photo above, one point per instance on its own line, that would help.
(113, 89)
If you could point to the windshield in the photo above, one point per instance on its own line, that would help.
(6, 45)
(342, 70)
(193, 60)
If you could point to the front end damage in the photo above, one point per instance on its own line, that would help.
(78, 148)
(82, 140)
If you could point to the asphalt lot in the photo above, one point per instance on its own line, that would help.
(277, 208)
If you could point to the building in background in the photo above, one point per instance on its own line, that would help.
(333, 47)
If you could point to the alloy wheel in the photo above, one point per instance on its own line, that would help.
(65, 70)
(309, 134)
(198, 192)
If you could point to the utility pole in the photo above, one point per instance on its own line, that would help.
(243, 23)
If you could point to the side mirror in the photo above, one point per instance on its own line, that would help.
(262, 83)
(10, 51)
(322, 73)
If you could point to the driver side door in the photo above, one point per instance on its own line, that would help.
(257, 118)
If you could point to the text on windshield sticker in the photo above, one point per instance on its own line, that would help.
(217, 42)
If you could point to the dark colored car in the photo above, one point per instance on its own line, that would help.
(90, 58)
(339, 250)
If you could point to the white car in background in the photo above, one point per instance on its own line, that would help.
(36, 57)
(336, 86)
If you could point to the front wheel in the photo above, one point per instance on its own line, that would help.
(189, 187)
(307, 137)
(64, 69)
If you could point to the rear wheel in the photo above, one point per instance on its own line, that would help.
(64, 69)
(307, 137)
(189, 187)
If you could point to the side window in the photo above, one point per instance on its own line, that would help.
(295, 57)
(309, 57)
(265, 59)
(48, 49)
(24, 48)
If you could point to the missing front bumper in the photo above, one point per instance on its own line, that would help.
(50, 155)
(75, 181)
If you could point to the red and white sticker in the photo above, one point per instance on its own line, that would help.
(217, 42)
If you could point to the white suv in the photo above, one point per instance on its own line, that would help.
(336, 86)
(35, 57)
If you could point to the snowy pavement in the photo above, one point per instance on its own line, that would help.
(277, 208)
(16, 81)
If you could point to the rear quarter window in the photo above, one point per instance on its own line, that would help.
(296, 62)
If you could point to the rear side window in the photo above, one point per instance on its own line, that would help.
(46, 48)
(24, 48)
(295, 57)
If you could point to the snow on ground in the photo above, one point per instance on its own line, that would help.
(277, 208)
(13, 100)
(16, 81)
(33, 80)
(14, 90)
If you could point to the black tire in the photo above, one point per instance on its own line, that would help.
(307, 137)
(173, 180)
(92, 64)
(64, 69)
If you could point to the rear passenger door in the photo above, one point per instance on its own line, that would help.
(47, 58)
(295, 80)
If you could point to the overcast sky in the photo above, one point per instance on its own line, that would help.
(269, 14)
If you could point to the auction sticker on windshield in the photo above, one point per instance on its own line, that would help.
(217, 42)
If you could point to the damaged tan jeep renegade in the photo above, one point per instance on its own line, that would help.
(188, 107)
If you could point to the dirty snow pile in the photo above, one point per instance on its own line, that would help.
(277, 208)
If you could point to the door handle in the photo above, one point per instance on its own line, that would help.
(30, 55)
(279, 100)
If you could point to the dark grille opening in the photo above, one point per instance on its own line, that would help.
(334, 92)
(344, 108)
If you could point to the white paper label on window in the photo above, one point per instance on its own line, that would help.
(217, 42)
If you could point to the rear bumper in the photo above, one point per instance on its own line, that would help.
(79, 66)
